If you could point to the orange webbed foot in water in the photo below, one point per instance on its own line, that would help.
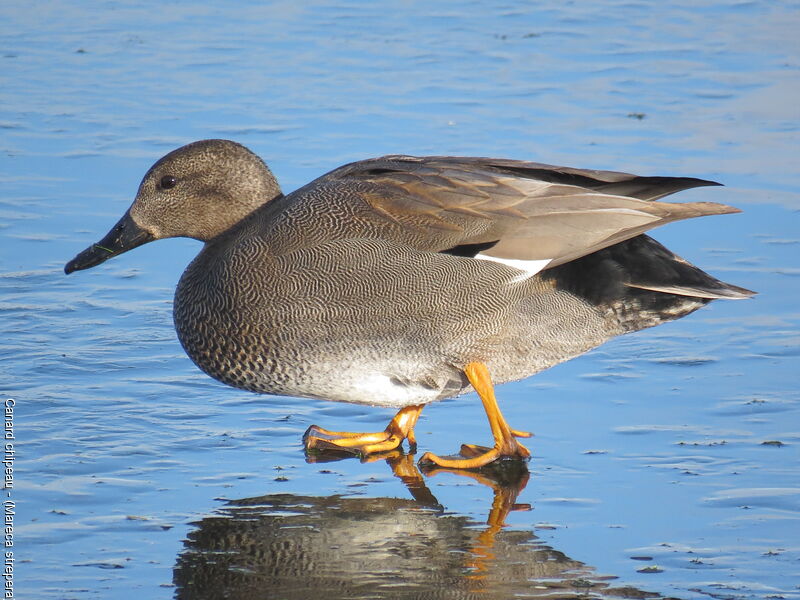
(505, 443)
(400, 428)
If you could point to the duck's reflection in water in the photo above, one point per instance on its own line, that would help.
(332, 547)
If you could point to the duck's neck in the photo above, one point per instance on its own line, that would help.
(261, 212)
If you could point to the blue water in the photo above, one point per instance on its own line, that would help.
(651, 446)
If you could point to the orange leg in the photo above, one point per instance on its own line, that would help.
(505, 444)
(400, 428)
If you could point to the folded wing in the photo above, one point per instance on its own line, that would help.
(511, 210)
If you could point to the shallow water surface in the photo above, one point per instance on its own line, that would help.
(664, 463)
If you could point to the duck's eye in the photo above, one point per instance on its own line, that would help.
(167, 182)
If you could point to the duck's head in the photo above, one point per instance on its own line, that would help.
(199, 191)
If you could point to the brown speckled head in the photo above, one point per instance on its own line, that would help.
(201, 190)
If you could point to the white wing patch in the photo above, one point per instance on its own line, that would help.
(527, 268)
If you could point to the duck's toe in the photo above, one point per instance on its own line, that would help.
(400, 428)
(360, 444)
(475, 457)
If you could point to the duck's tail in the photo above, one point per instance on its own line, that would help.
(641, 283)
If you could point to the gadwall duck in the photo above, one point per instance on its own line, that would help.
(402, 280)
